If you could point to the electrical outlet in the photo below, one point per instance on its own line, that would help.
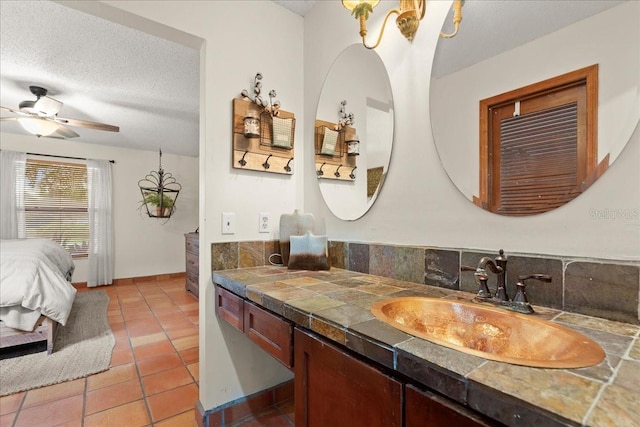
(228, 223)
(264, 222)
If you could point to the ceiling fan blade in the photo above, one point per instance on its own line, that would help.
(47, 106)
(87, 124)
(11, 110)
(63, 132)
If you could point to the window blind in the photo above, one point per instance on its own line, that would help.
(538, 164)
(55, 203)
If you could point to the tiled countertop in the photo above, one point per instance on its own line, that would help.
(336, 304)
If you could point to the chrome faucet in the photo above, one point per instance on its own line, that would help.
(501, 296)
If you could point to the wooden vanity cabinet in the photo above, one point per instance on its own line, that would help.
(192, 249)
(270, 332)
(426, 409)
(332, 388)
(335, 388)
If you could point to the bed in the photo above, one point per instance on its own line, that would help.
(36, 294)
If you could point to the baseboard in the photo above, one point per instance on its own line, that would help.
(229, 413)
(135, 280)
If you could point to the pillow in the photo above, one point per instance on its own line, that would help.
(308, 252)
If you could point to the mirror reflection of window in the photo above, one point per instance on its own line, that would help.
(538, 144)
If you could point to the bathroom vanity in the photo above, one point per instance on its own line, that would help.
(352, 369)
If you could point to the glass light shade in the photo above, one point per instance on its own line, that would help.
(40, 127)
(351, 4)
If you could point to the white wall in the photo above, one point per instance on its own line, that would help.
(240, 39)
(455, 98)
(143, 246)
(418, 204)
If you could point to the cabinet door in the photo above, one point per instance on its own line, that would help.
(273, 334)
(333, 388)
(425, 409)
(230, 307)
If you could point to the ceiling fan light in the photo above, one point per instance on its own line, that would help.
(39, 127)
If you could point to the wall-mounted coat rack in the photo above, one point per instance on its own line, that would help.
(331, 155)
(263, 134)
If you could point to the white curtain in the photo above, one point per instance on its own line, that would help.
(100, 223)
(12, 165)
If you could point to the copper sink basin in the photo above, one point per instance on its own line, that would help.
(489, 332)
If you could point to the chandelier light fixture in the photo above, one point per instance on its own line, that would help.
(410, 13)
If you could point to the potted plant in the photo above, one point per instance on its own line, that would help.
(164, 205)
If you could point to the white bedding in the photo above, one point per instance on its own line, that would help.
(33, 275)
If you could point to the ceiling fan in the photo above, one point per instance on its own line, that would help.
(40, 117)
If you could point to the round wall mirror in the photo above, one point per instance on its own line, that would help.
(503, 47)
(354, 132)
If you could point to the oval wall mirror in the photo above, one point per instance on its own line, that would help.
(354, 132)
(503, 47)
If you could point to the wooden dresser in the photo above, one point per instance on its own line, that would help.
(192, 243)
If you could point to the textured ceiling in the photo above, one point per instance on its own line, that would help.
(102, 72)
(301, 7)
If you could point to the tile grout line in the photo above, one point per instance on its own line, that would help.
(133, 355)
(183, 363)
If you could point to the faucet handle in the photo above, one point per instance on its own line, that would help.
(467, 268)
(520, 298)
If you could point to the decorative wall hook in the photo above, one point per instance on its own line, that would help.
(352, 175)
(319, 171)
(266, 164)
(287, 167)
(337, 173)
(242, 161)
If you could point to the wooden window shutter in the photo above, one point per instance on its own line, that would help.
(538, 168)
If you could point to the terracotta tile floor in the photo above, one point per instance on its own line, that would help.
(153, 379)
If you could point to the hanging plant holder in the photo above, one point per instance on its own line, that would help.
(159, 191)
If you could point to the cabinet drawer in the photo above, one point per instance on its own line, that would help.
(271, 333)
(192, 243)
(192, 262)
(192, 284)
(230, 307)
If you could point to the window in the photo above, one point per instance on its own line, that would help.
(55, 203)
(538, 145)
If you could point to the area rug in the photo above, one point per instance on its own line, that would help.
(82, 347)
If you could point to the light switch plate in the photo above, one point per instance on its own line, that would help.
(228, 223)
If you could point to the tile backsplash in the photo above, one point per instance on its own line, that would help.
(603, 288)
